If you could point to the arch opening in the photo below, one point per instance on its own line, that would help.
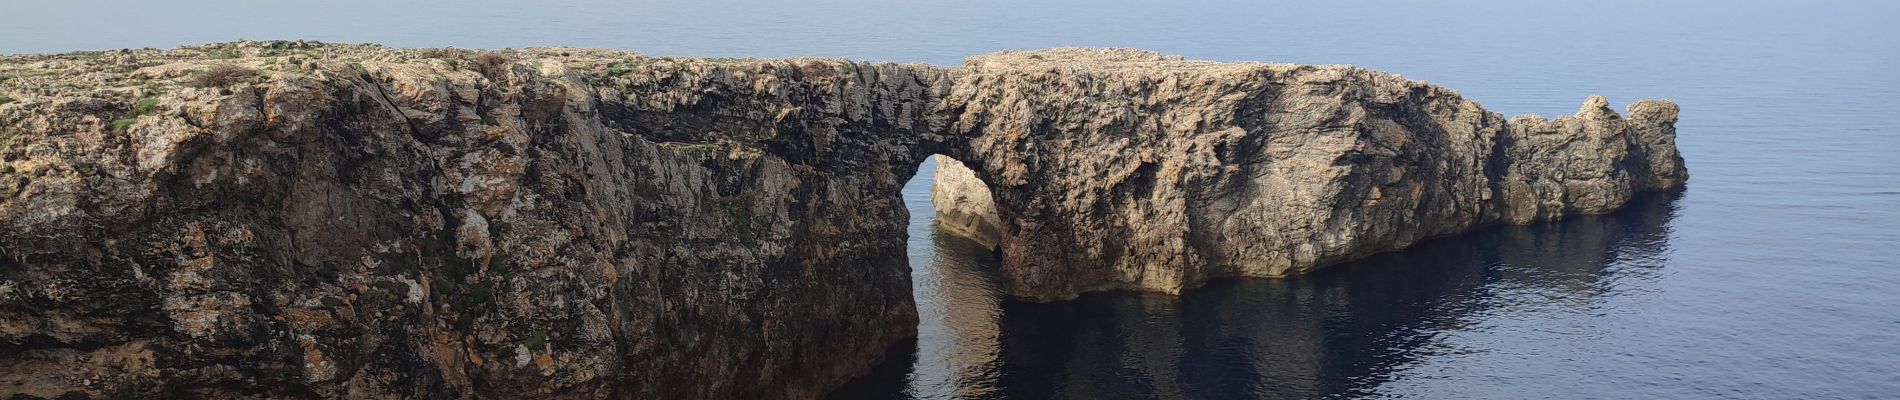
(954, 266)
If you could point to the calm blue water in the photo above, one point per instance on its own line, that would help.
(1775, 275)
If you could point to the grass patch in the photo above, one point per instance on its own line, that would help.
(738, 210)
(619, 69)
(145, 106)
(473, 300)
(120, 125)
(536, 341)
(4, 99)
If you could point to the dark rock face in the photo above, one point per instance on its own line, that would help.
(365, 222)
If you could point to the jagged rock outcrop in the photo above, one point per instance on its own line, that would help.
(306, 220)
(1133, 170)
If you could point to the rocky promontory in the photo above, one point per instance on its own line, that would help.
(310, 220)
(1121, 169)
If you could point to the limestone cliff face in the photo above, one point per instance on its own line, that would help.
(1128, 170)
(352, 221)
(304, 220)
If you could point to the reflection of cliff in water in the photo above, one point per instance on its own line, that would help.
(957, 354)
(1339, 331)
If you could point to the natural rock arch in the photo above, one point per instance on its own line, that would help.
(358, 220)
(1117, 170)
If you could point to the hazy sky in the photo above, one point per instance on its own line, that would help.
(939, 31)
(1513, 56)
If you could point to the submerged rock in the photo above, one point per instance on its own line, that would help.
(309, 220)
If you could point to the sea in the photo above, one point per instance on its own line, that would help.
(1774, 275)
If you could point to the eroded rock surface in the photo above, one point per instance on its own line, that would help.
(1123, 169)
(308, 220)
(964, 204)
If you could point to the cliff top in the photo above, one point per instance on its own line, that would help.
(1121, 59)
(27, 77)
(135, 72)
(117, 79)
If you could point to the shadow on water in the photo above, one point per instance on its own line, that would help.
(1339, 332)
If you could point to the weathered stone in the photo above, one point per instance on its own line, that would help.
(365, 222)
(963, 203)
(1129, 170)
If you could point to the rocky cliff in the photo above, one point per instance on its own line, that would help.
(308, 220)
(1123, 169)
